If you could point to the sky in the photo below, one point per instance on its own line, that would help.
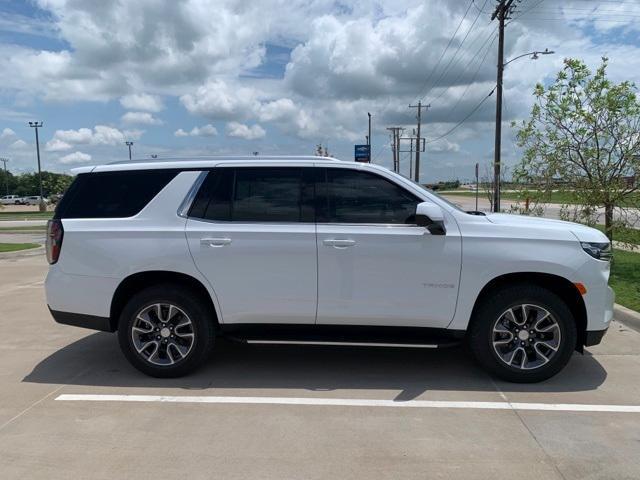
(187, 78)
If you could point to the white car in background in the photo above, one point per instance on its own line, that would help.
(173, 254)
(34, 200)
(11, 200)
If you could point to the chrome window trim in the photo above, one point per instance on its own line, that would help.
(385, 225)
(184, 207)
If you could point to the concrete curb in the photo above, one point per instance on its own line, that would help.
(23, 253)
(629, 317)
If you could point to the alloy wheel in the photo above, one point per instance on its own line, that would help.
(162, 334)
(526, 337)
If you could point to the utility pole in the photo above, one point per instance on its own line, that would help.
(395, 147)
(129, 144)
(419, 118)
(37, 125)
(419, 145)
(502, 11)
(6, 175)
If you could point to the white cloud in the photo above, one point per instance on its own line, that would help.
(57, 145)
(100, 135)
(217, 100)
(240, 130)
(204, 131)
(140, 118)
(142, 101)
(19, 145)
(7, 133)
(75, 157)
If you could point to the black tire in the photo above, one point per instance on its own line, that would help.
(480, 335)
(202, 327)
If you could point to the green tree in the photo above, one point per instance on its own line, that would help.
(583, 137)
(28, 184)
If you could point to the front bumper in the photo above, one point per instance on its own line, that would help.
(594, 337)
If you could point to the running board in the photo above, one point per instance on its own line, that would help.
(342, 336)
(347, 344)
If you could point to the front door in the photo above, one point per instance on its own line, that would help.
(375, 266)
(251, 233)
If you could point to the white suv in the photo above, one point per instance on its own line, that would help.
(173, 254)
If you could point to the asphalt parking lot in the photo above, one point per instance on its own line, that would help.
(327, 412)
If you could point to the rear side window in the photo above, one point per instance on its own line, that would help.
(112, 194)
(260, 194)
(351, 196)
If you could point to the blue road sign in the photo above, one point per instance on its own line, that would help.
(362, 153)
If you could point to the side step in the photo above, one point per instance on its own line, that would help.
(349, 344)
(343, 335)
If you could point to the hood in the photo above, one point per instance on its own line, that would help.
(582, 232)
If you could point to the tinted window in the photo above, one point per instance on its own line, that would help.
(260, 194)
(351, 196)
(213, 200)
(112, 194)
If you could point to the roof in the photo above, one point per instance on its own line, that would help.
(201, 162)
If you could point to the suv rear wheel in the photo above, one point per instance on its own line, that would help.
(166, 331)
(523, 334)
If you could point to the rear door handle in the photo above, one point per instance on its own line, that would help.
(339, 243)
(214, 242)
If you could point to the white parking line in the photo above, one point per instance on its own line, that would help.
(348, 402)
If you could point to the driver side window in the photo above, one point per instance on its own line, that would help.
(351, 196)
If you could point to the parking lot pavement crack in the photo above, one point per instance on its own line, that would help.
(533, 436)
(37, 402)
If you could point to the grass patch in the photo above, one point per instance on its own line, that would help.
(14, 247)
(624, 234)
(625, 278)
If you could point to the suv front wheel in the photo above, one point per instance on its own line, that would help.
(166, 331)
(523, 334)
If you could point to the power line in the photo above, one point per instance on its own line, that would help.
(473, 79)
(469, 63)
(475, 109)
(437, 82)
(480, 9)
(537, 4)
(433, 70)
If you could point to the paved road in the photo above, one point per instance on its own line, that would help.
(45, 438)
(22, 237)
(21, 223)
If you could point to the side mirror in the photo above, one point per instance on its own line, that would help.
(430, 216)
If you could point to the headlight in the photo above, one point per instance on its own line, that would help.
(599, 251)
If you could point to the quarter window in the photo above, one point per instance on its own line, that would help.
(112, 194)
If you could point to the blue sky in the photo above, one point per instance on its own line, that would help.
(205, 77)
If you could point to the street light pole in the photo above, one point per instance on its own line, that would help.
(369, 136)
(6, 175)
(502, 12)
(36, 125)
(128, 143)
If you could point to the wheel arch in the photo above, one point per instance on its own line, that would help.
(561, 286)
(136, 282)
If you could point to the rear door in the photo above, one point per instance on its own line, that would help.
(251, 232)
(375, 265)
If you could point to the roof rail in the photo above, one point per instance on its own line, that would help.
(226, 157)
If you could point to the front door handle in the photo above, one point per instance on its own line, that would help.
(214, 242)
(339, 243)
